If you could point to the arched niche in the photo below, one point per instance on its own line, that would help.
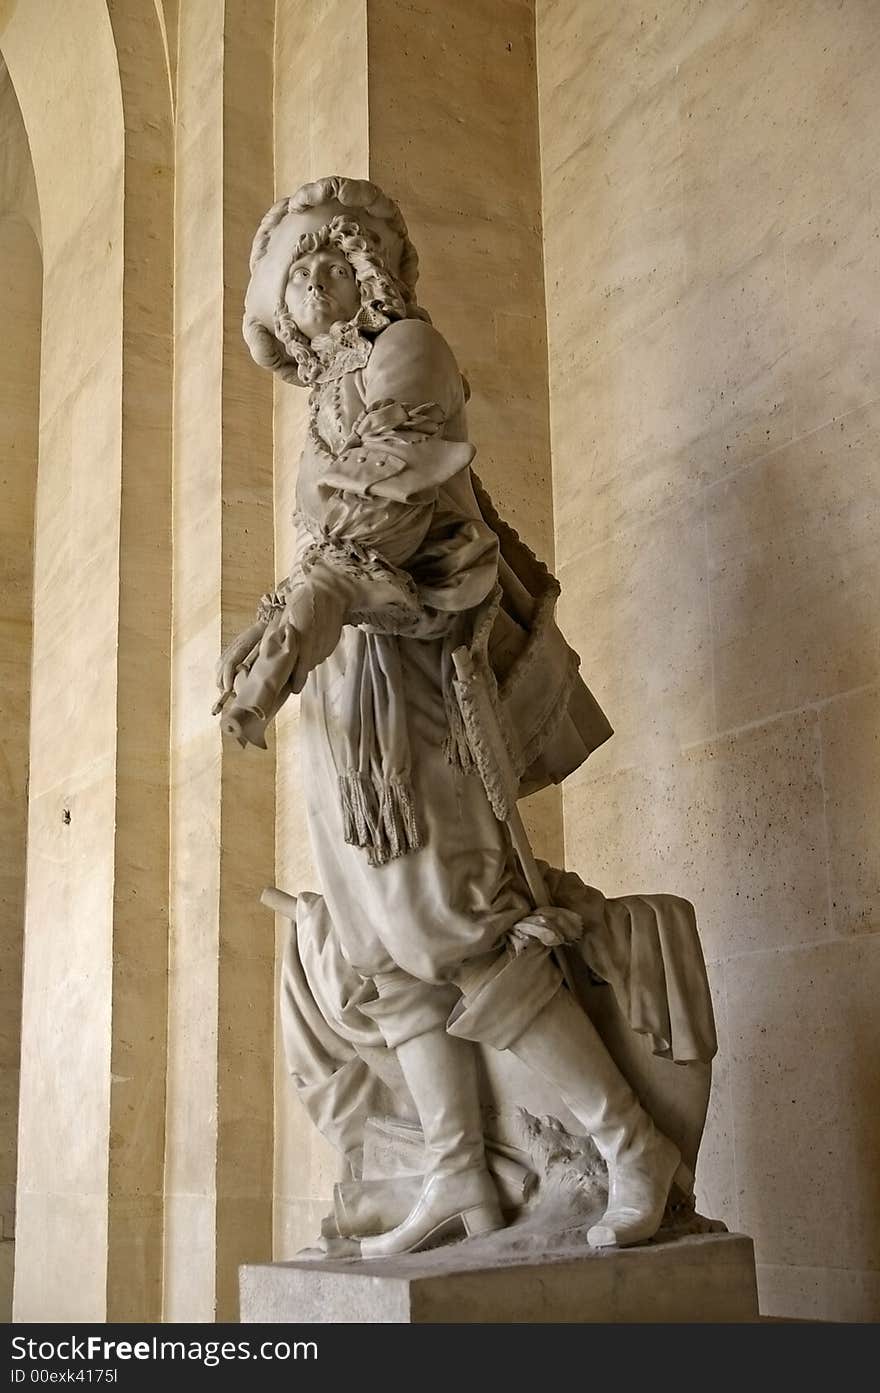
(93, 87)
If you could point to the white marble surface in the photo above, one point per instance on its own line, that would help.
(704, 1278)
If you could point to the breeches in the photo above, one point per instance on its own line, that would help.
(429, 927)
(492, 999)
(427, 912)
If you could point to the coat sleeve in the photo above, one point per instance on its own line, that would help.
(375, 545)
(380, 491)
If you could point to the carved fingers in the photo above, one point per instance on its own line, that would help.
(236, 655)
(317, 614)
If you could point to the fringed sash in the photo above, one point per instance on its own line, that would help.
(375, 784)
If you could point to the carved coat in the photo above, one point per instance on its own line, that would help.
(417, 872)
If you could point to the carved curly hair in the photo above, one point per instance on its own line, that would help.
(384, 297)
(381, 300)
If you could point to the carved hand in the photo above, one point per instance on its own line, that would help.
(317, 612)
(234, 654)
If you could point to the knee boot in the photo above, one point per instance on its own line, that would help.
(458, 1194)
(562, 1044)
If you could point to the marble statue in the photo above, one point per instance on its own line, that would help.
(436, 690)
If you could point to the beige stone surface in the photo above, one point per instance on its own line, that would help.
(19, 422)
(542, 817)
(738, 822)
(219, 1145)
(594, 63)
(753, 837)
(98, 766)
(67, 1226)
(850, 729)
(7, 1269)
(818, 106)
(142, 860)
(189, 1278)
(297, 1222)
(713, 288)
(320, 91)
(474, 215)
(18, 188)
(805, 1081)
(190, 1247)
(88, 113)
(621, 190)
(794, 548)
(636, 610)
(701, 390)
(833, 278)
(819, 1293)
(66, 1016)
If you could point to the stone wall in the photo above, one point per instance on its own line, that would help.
(712, 246)
(219, 1143)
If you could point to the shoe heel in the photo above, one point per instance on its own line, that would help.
(483, 1218)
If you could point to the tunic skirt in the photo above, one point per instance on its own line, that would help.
(432, 909)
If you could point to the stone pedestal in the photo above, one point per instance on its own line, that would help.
(700, 1278)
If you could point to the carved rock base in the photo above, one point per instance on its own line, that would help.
(699, 1278)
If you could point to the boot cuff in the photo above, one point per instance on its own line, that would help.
(498, 1012)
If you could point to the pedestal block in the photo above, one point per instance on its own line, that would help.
(699, 1278)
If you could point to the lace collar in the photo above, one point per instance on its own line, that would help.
(344, 349)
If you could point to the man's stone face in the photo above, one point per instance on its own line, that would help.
(321, 289)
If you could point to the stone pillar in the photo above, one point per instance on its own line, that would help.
(454, 138)
(246, 996)
(21, 292)
(93, 1021)
(219, 1116)
(140, 897)
(62, 1220)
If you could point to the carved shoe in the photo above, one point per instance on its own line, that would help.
(638, 1189)
(461, 1204)
(562, 1044)
(458, 1196)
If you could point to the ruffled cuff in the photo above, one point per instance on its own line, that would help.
(380, 597)
(273, 602)
(396, 452)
